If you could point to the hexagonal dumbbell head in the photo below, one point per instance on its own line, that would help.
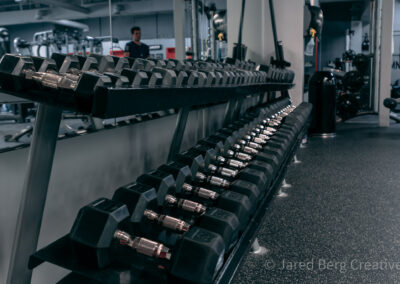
(13, 70)
(94, 228)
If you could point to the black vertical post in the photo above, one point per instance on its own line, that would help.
(34, 193)
(178, 133)
(274, 33)
(278, 47)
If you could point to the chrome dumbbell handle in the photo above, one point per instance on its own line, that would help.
(143, 245)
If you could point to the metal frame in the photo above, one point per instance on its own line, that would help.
(280, 58)
(176, 143)
(34, 192)
(229, 110)
(106, 103)
(118, 102)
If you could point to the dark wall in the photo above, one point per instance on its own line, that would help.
(337, 18)
(333, 41)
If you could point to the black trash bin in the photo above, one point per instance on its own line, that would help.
(322, 95)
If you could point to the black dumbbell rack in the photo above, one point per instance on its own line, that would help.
(105, 103)
(62, 254)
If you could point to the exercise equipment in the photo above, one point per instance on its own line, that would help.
(98, 230)
(213, 187)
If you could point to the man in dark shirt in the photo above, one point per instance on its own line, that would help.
(135, 48)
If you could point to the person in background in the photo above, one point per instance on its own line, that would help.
(135, 48)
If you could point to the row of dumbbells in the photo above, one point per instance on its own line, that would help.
(83, 74)
(188, 214)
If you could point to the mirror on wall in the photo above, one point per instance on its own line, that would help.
(85, 28)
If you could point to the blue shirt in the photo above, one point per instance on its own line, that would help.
(136, 50)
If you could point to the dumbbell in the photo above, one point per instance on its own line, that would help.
(264, 131)
(116, 66)
(279, 143)
(209, 154)
(302, 112)
(240, 77)
(177, 65)
(196, 78)
(246, 77)
(142, 64)
(275, 74)
(165, 186)
(255, 174)
(139, 197)
(98, 236)
(206, 78)
(106, 63)
(66, 63)
(213, 78)
(81, 59)
(193, 155)
(14, 69)
(247, 134)
(278, 75)
(210, 166)
(202, 177)
(139, 78)
(262, 77)
(139, 75)
(269, 158)
(110, 66)
(269, 70)
(294, 123)
(228, 199)
(285, 133)
(223, 145)
(268, 169)
(157, 74)
(222, 149)
(276, 146)
(267, 124)
(94, 63)
(285, 77)
(168, 77)
(43, 64)
(237, 147)
(228, 68)
(90, 64)
(121, 63)
(226, 77)
(243, 141)
(278, 124)
(158, 62)
(182, 76)
(135, 78)
(164, 181)
(144, 204)
(214, 164)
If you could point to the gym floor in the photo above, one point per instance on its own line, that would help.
(340, 219)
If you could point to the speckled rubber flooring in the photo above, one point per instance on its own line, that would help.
(340, 222)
